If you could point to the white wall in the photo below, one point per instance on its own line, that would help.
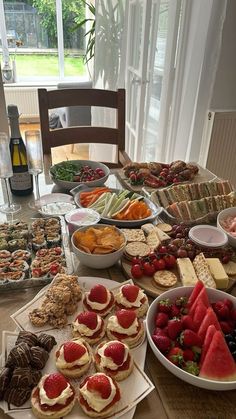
(224, 91)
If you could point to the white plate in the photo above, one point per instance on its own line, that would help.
(134, 388)
(57, 199)
(122, 223)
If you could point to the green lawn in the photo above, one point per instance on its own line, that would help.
(47, 65)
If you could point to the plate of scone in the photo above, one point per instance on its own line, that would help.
(95, 367)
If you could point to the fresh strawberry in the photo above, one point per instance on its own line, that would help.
(99, 383)
(161, 319)
(115, 351)
(190, 338)
(174, 328)
(221, 310)
(188, 355)
(164, 306)
(98, 294)
(175, 310)
(163, 343)
(130, 292)
(89, 319)
(226, 326)
(54, 384)
(126, 318)
(73, 351)
(159, 331)
(191, 367)
(187, 322)
(228, 303)
(175, 355)
(233, 314)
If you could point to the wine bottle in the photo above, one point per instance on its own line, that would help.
(21, 183)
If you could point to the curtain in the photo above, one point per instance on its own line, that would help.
(202, 33)
(108, 66)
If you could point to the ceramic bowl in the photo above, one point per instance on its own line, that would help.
(101, 261)
(66, 185)
(228, 212)
(213, 295)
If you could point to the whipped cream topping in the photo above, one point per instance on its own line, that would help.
(62, 363)
(115, 326)
(98, 306)
(121, 299)
(94, 399)
(84, 330)
(106, 361)
(62, 399)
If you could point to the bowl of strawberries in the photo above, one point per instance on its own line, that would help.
(192, 332)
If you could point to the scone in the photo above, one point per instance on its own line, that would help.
(99, 299)
(125, 327)
(133, 298)
(114, 359)
(54, 397)
(74, 358)
(89, 326)
(98, 395)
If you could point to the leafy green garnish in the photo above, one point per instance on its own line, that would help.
(65, 171)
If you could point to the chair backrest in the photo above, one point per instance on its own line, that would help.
(75, 115)
(81, 134)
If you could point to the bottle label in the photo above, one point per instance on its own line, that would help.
(21, 181)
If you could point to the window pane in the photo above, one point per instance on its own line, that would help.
(74, 41)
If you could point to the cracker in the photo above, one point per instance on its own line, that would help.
(230, 268)
(137, 249)
(134, 234)
(147, 228)
(153, 240)
(167, 228)
(165, 278)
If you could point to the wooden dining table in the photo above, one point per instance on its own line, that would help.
(171, 398)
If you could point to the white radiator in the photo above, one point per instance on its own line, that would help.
(26, 98)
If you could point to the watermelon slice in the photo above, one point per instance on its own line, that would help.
(207, 341)
(199, 314)
(202, 296)
(196, 290)
(209, 319)
(218, 363)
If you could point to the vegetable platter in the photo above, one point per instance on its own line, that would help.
(118, 207)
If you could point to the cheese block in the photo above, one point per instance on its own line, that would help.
(186, 271)
(203, 271)
(161, 234)
(217, 270)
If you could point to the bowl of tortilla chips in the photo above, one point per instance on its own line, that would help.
(99, 246)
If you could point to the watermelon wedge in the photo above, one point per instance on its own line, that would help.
(196, 290)
(218, 363)
(199, 314)
(209, 319)
(207, 341)
(202, 296)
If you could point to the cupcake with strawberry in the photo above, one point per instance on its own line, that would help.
(89, 326)
(74, 358)
(99, 395)
(133, 298)
(125, 327)
(54, 397)
(99, 299)
(114, 359)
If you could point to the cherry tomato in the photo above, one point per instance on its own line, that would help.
(159, 264)
(57, 250)
(136, 271)
(148, 269)
(136, 261)
(170, 261)
(163, 174)
(152, 255)
(133, 177)
(162, 249)
(37, 272)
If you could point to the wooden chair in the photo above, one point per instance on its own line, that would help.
(83, 134)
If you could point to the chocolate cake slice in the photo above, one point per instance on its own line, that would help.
(46, 341)
(39, 357)
(27, 337)
(19, 356)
